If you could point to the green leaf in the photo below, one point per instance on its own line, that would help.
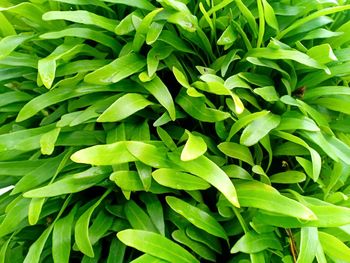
(308, 244)
(259, 128)
(71, 183)
(149, 154)
(85, 33)
(210, 172)
(143, 4)
(83, 17)
(173, 40)
(259, 195)
(157, 53)
(3, 250)
(197, 217)
(248, 16)
(145, 174)
(104, 154)
(322, 12)
(333, 247)
(228, 37)
(34, 210)
(315, 157)
(155, 210)
(42, 173)
(154, 31)
(48, 140)
(10, 43)
(116, 252)
(124, 107)
(145, 258)
(270, 16)
(158, 89)
(204, 237)
(61, 237)
(274, 54)
(179, 180)
(117, 70)
(297, 122)
(138, 218)
(37, 247)
(81, 231)
(155, 245)
(252, 242)
(244, 121)
(196, 108)
(195, 146)
(14, 216)
(61, 94)
(130, 181)
(322, 53)
(237, 151)
(268, 93)
(141, 31)
(101, 224)
(200, 249)
(288, 177)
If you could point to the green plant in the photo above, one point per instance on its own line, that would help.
(175, 130)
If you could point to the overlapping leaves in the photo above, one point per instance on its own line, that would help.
(174, 131)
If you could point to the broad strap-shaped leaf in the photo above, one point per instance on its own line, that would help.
(333, 247)
(308, 244)
(204, 237)
(117, 70)
(109, 154)
(196, 108)
(61, 237)
(138, 218)
(195, 146)
(259, 128)
(48, 140)
(210, 172)
(124, 107)
(10, 43)
(155, 210)
(143, 4)
(83, 17)
(199, 248)
(179, 180)
(37, 247)
(252, 242)
(156, 245)
(142, 29)
(237, 151)
(46, 171)
(161, 92)
(130, 181)
(294, 55)
(197, 217)
(61, 94)
(71, 183)
(288, 177)
(87, 33)
(81, 231)
(14, 216)
(259, 195)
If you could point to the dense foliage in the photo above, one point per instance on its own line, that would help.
(175, 131)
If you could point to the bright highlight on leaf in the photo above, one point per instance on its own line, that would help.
(195, 146)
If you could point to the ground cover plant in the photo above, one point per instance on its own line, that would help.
(175, 131)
